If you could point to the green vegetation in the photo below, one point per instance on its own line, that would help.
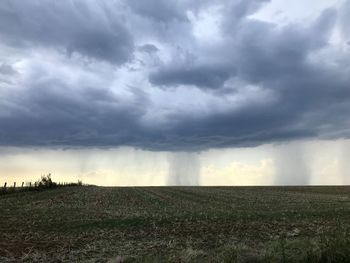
(176, 224)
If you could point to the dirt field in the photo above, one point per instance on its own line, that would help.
(178, 224)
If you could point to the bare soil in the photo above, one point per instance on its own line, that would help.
(177, 224)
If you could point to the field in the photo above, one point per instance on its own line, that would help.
(177, 224)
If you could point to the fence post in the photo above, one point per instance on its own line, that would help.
(22, 184)
(14, 185)
(5, 184)
(30, 184)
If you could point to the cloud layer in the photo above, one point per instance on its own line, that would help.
(183, 76)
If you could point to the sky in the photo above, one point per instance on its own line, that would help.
(166, 92)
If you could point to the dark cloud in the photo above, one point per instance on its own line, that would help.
(6, 69)
(64, 117)
(261, 82)
(265, 53)
(91, 30)
(205, 76)
(148, 48)
(161, 11)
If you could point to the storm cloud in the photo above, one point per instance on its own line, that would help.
(88, 28)
(119, 73)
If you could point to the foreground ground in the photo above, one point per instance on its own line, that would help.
(178, 224)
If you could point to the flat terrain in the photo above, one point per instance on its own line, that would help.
(179, 224)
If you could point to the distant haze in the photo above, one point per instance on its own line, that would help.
(296, 163)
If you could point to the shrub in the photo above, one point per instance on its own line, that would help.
(46, 182)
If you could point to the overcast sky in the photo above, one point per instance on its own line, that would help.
(172, 76)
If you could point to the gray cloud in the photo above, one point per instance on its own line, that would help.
(161, 11)
(236, 11)
(205, 76)
(148, 48)
(260, 83)
(344, 18)
(91, 29)
(55, 116)
(6, 69)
